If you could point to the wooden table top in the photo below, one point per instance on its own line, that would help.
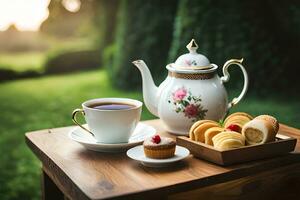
(84, 174)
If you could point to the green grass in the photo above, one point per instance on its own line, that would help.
(37, 104)
(23, 61)
(47, 102)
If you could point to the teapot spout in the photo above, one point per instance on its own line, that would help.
(149, 87)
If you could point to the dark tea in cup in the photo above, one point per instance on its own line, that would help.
(111, 106)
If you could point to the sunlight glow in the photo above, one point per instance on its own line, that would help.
(26, 15)
(72, 5)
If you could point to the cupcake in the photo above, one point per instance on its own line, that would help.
(158, 147)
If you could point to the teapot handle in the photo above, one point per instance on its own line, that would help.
(226, 77)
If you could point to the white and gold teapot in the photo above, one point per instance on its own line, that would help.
(192, 91)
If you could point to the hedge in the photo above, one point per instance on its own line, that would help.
(144, 31)
(264, 33)
(259, 31)
(73, 61)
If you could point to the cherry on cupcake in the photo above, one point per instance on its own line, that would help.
(156, 139)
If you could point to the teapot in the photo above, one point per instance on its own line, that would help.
(192, 91)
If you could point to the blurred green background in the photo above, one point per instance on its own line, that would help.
(83, 50)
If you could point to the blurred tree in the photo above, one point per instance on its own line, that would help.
(105, 21)
(144, 31)
(265, 33)
(63, 23)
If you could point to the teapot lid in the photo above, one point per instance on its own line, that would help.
(192, 60)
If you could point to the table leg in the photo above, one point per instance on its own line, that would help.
(49, 190)
(277, 184)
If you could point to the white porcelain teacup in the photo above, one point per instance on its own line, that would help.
(110, 120)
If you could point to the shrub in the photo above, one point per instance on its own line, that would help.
(9, 74)
(144, 30)
(73, 61)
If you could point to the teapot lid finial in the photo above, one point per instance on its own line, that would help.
(192, 60)
(192, 46)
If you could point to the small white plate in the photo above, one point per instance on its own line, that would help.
(141, 132)
(137, 153)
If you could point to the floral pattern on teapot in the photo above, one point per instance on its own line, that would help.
(191, 62)
(190, 105)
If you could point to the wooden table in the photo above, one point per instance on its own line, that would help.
(70, 171)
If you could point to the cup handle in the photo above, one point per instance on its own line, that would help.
(74, 114)
(226, 77)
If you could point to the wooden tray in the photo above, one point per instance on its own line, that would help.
(282, 145)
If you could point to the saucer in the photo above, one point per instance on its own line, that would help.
(137, 153)
(141, 132)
